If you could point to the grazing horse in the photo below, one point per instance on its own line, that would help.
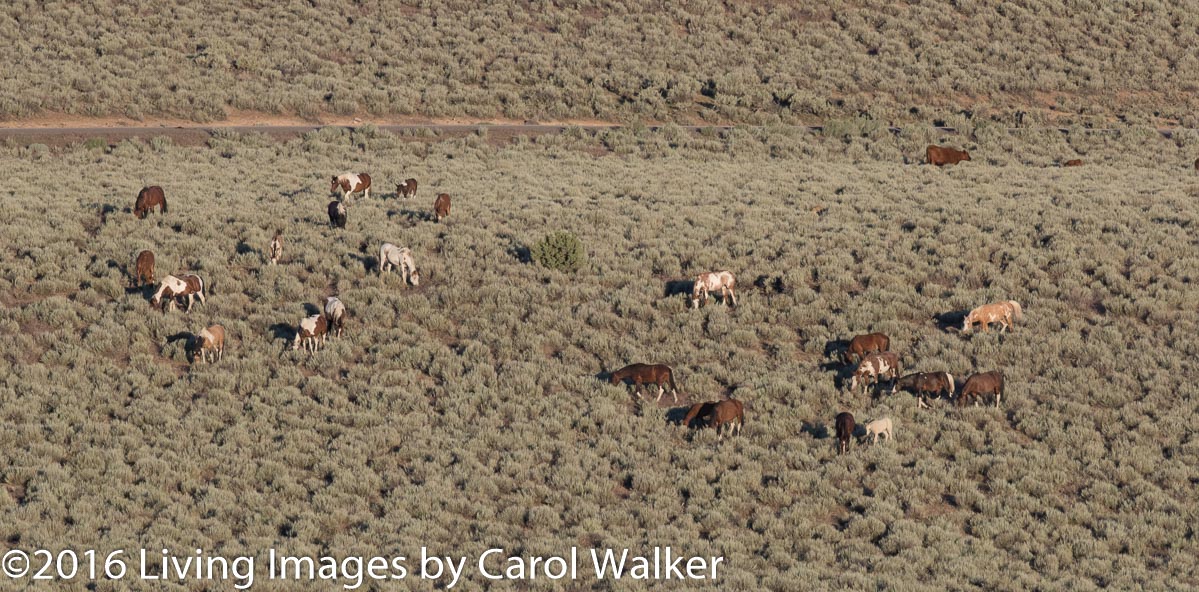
(276, 250)
(873, 367)
(923, 383)
(1073, 162)
(880, 427)
(392, 256)
(335, 315)
(710, 282)
(659, 374)
(407, 188)
(337, 214)
(998, 312)
(147, 198)
(940, 155)
(986, 383)
(144, 269)
(311, 332)
(352, 183)
(844, 423)
(211, 340)
(863, 344)
(718, 414)
(441, 207)
(172, 287)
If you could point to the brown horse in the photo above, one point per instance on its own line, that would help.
(718, 414)
(144, 269)
(1073, 162)
(863, 344)
(350, 183)
(978, 385)
(941, 156)
(406, 189)
(441, 207)
(844, 423)
(639, 374)
(210, 341)
(924, 383)
(147, 198)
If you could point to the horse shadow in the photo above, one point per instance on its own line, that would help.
(369, 263)
(147, 291)
(283, 331)
(834, 349)
(678, 288)
(189, 342)
(950, 321)
(818, 431)
(676, 415)
(411, 215)
(245, 249)
(296, 192)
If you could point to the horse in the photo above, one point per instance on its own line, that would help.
(337, 214)
(718, 414)
(335, 315)
(922, 383)
(1073, 162)
(441, 207)
(143, 269)
(211, 340)
(147, 198)
(710, 282)
(864, 344)
(311, 332)
(873, 366)
(276, 250)
(941, 155)
(407, 188)
(879, 427)
(986, 383)
(350, 183)
(844, 423)
(659, 374)
(392, 256)
(997, 312)
(172, 287)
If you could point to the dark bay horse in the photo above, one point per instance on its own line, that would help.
(845, 425)
(978, 385)
(718, 414)
(639, 374)
(147, 198)
(863, 344)
(925, 383)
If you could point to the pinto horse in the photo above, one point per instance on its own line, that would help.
(639, 374)
(276, 250)
(873, 367)
(147, 198)
(350, 183)
(337, 214)
(863, 344)
(845, 425)
(391, 256)
(211, 341)
(311, 332)
(718, 414)
(923, 383)
(407, 188)
(986, 383)
(710, 282)
(144, 269)
(172, 287)
(997, 312)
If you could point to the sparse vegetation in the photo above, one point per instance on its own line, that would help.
(435, 419)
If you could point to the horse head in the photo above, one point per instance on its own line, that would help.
(334, 184)
(415, 277)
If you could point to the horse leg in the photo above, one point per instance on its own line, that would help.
(661, 391)
(733, 295)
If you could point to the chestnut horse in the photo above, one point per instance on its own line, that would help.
(710, 282)
(407, 188)
(350, 183)
(863, 344)
(172, 287)
(986, 383)
(441, 207)
(718, 414)
(144, 269)
(923, 383)
(998, 312)
(844, 423)
(147, 198)
(659, 374)
(873, 367)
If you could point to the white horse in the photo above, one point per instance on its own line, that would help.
(710, 282)
(998, 312)
(392, 256)
(880, 427)
(335, 315)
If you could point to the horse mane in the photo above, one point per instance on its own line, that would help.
(1017, 311)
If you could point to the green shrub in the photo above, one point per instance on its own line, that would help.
(560, 250)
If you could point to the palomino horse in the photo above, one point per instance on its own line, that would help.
(718, 414)
(172, 287)
(392, 256)
(144, 269)
(407, 188)
(875, 366)
(639, 374)
(337, 214)
(844, 423)
(879, 427)
(311, 332)
(986, 383)
(335, 315)
(710, 282)
(998, 312)
(441, 207)
(276, 250)
(147, 198)
(211, 341)
(924, 383)
(350, 183)
(863, 344)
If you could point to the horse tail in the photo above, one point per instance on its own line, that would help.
(670, 378)
(164, 203)
(1017, 312)
(952, 385)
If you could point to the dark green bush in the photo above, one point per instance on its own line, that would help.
(560, 250)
